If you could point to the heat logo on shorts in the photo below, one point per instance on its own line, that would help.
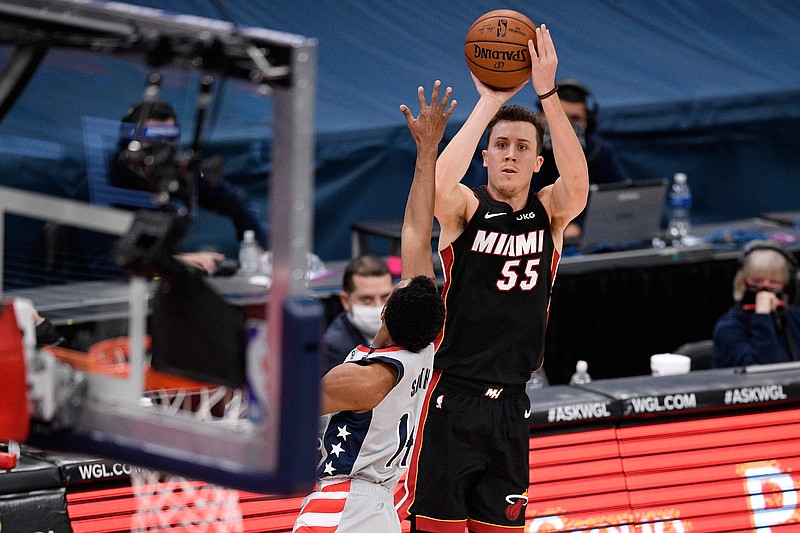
(516, 502)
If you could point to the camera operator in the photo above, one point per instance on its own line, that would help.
(147, 159)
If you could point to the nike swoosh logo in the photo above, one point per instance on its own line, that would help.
(492, 215)
(527, 413)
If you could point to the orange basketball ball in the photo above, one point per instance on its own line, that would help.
(496, 48)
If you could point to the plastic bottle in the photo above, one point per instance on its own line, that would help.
(536, 382)
(680, 203)
(249, 260)
(581, 376)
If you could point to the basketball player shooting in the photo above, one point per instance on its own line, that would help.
(500, 244)
(372, 401)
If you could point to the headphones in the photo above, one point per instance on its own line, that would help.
(132, 125)
(793, 286)
(592, 107)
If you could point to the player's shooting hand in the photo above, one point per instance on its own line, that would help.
(544, 61)
(501, 96)
(428, 128)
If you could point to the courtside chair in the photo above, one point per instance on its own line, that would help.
(699, 352)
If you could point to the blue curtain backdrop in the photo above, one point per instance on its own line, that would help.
(708, 87)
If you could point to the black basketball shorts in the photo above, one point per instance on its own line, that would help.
(470, 463)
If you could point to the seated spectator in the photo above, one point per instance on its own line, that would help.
(366, 285)
(764, 324)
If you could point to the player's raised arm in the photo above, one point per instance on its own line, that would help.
(567, 198)
(453, 208)
(427, 130)
(357, 387)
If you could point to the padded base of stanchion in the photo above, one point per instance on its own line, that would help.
(40, 510)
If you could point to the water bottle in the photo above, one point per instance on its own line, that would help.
(536, 382)
(249, 260)
(680, 202)
(581, 376)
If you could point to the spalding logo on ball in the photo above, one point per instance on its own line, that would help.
(496, 48)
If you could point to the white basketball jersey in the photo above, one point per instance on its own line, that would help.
(376, 445)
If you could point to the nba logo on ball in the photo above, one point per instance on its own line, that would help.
(496, 48)
(502, 28)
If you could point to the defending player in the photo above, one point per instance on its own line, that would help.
(375, 396)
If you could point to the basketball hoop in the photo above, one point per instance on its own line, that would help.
(166, 500)
(207, 405)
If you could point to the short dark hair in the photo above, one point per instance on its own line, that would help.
(517, 113)
(365, 265)
(142, 111)
(149, 109)
(415, 314)
(573, 92)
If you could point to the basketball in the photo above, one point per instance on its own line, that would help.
(496, 48)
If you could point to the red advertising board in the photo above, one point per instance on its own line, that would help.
(731, 473)
(737, 473)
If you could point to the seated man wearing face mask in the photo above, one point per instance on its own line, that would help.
(604, 167)
(366, 285)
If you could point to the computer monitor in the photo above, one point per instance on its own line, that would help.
(623, 215)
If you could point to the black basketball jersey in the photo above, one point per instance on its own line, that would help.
(498, 276)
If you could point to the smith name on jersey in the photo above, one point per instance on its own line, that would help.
(375, 445)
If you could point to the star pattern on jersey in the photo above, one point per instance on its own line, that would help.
(343, 438)
(336, 449)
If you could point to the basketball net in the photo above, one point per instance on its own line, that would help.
(166, 500)
(163, 500)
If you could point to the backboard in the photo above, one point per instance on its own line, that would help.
(262, 438)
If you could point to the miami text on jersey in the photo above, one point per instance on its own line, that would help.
(496, 243)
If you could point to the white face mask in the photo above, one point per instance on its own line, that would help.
(367, 318)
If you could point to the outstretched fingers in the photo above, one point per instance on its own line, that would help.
(407, 113)
(433, 116)
(443, 107)
(544, 44)
(544, 60)
(434, 94)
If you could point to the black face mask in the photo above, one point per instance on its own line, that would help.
(748, 301)
(580, 131)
